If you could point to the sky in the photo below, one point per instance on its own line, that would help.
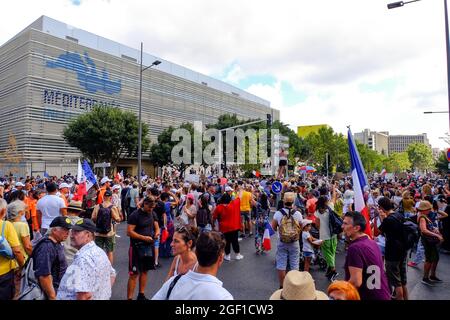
(347, 62)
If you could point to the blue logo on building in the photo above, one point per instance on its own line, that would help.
(86, 71)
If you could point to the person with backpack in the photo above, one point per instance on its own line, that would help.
(203, 217)
(396, 247)
(10, 255)
(329, 237)
(103, 215)
(287, 222)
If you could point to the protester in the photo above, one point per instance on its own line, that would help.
(74, 210)
(48, 256)
(142, 229)
(90, 276)
(364, 267)
(104, 215)
(49, 207)
(227, 213)
(9, 264)
(183, 243)
(342, 290)
(287, 222)
(431, 237)
(395, 250)
(329, 244)
(201, 284)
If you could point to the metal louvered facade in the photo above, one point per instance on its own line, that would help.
(50, 73)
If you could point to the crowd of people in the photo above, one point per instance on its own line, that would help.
(65, 239)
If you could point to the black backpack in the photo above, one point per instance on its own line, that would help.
(104, 219)
(410, 233)
(203, 217)
(335, 222)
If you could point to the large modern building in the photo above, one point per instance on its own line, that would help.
(399, 143)
(51, 72)
(377, 141)
(386, 144)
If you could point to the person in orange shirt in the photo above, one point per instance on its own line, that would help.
(32, 218)
(105, 184)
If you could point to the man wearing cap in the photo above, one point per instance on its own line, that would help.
(64, 193)
(90, 276)
(105, 184)
(49, 207)
(106, 213)
(49, 261)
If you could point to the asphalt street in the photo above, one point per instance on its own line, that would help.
(255, 277)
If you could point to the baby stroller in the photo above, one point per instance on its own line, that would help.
(317, 259)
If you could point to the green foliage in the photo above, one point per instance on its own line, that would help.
(372, 161)
(420, 155)
(397, 162)
(161, 152)
(323, 141)
(106, 134)
(442, 163)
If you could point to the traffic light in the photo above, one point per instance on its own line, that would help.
(269, 120)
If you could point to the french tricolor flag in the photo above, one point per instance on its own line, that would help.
(359, 181)
(268, 232)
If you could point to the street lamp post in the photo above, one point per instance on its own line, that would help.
(141, 71)
(447, 42)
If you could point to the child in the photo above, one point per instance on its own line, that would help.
(307, 240)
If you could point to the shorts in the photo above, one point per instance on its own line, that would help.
(136, 264)
(245, 216)
(282, 163)
(287, 251)
(106, 243)
(7, 288)
(431, 251)
(308, 254)
(396, 272)
(156, 243)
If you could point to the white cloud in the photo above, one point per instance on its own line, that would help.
(322, 48)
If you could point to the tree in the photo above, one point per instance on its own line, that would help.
(11, 155)
(420, 155)
(372, 161)
(442, 163)
(397, 162)
(106, 134)
(161, 152)
(326, 141)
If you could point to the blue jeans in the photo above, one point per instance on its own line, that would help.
(287, 251)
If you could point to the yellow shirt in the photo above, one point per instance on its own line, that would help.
(245, 201)
(6, 265)
(23, 230)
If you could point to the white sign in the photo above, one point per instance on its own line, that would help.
(102, 165)
(193, 178)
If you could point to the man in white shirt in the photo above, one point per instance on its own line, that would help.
(90, 276)
(201, 284)
(50, 206)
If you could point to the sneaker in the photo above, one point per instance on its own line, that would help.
(141, 297)
(227, 257)
(117, 236)
(333, 276)
(240, 239)
(435, 279)
(239, 256)
(242, 236)
(412, 264)
(158, 265)
(427, 281)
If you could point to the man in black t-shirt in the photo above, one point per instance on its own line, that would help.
(395, 253)
(143, 229)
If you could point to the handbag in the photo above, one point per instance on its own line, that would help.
(5, 248)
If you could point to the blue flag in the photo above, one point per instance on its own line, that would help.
(88, 172)
(46, 175)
